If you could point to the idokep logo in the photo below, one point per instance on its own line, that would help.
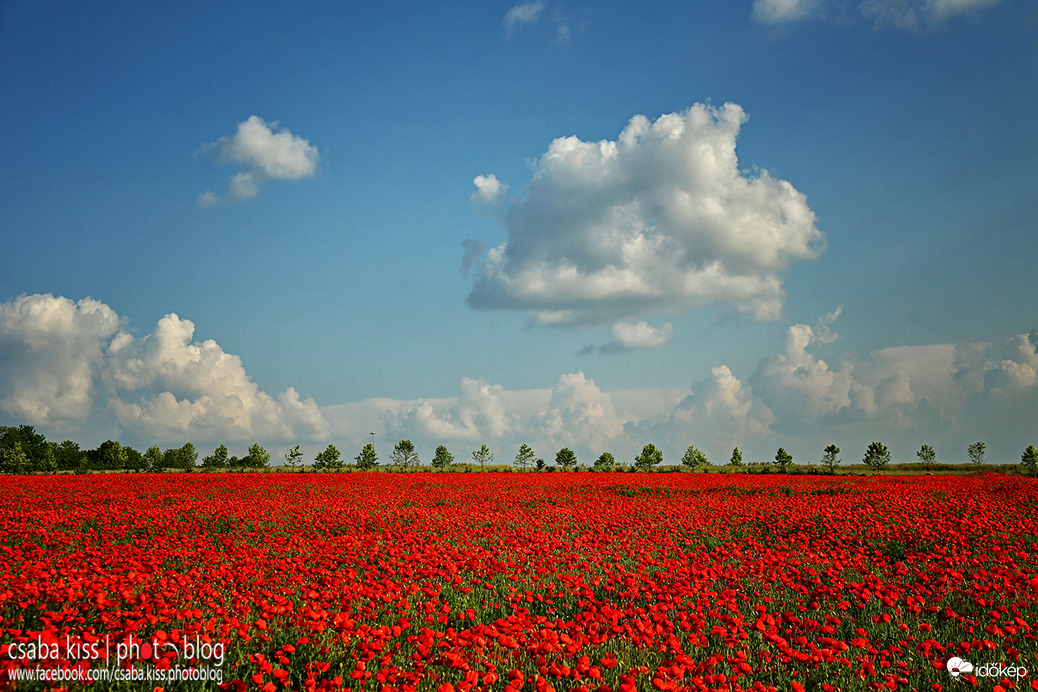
(956, 666)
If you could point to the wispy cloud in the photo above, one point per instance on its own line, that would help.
(903, 14)
(523, 13)
(266, 153)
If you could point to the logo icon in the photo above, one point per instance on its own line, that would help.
(957, 667)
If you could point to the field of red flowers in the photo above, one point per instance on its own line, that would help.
(523, 581)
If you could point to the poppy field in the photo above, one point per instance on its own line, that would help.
(520, 581)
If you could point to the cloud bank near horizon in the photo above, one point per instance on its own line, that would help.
(67, 364)
(662, 218)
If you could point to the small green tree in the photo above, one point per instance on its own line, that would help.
(604, 462)
(483, 455)
(404, 454)
(525, 456)
(71, 458)
(830, 458)
(187, 456)
(539, 464)
(565, 458)
(927, 456)
(694, 458)
(367, 459)
(328, 459)
(736, 459)
(876, 455)
(783, 459)
(257, 458)
(14, 460)
(109, 456)
(216, 460)
(976, 452)
(649, 457)
(442, 458)
(1029, 459)
(293, 456)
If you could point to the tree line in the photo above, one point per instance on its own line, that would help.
(23, 450)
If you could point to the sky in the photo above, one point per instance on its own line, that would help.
(763, 224)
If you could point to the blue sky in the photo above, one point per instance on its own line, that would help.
(781, 222)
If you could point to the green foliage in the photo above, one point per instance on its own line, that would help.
(152, 458)
(1029, 459)
(693, 458)
(565, 458)
(187, 456)
(830, 458)
(783, 458)
(927, 455)
(404, 454)
(539, 464)
(649, 457)
(38, 452)
(442, 458)
(482, 455)
(14, 460)
(293, 456)
(328, 459)
(525, 457)
(367, 459)
(976, 452)
(257, 458)
(876, 455)
(70, 457)
(108, 456)
(605, 461)
(736, 459)
(217, 460)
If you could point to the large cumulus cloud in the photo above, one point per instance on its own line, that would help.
(61, 361)
(660, 218)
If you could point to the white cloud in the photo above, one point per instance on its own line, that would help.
(777, 11)
(489, 192)
(243, 186)
(50, 352)
(627, 336)
(266, 154)
(660, 218)
(903, 14)
(179, 386)
(523, 13)
(54, 354)
(481, 412)
(915, 14)
(720, 413)
(579, 414)
(207, 199)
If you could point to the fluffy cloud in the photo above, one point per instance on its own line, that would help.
(58, 356)
(661, 218)
(579, 414)
(183, 387)
(898, 386)
(266, 154)
(51, 349)
(489, 192)
(481, 412)
(903, 14)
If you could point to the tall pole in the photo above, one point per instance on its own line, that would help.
(372, 441)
